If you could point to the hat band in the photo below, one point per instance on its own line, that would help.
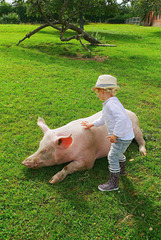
(105, 85)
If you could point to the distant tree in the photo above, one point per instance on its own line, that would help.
(144, 7)
(5, 8)
(60, 14)
(107, 10)
(10, 18)
(21, 9)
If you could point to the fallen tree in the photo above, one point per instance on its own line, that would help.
(81, 33)
(66, 11)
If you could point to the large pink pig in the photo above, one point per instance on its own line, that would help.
(72, 143)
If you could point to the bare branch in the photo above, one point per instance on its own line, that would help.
(74, 13)
(49, 12)
(77, 37)
(28, 35)
(61, 15)
(52, 24)
(84, 46)
(68, 39)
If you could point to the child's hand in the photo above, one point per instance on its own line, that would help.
(112, 138)
(86, 124)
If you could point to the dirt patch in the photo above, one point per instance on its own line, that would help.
(80, 57)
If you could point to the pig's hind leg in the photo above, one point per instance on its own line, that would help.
(140, 140)
(68, 169)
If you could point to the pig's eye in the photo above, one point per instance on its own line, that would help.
(59, 141)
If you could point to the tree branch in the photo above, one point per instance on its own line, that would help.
(28, 35)
(48, 11)
(65, 25)
(77, 37)
(61, 14)
(52, 24)
(84, 46)
(86, 36)
(68, 39)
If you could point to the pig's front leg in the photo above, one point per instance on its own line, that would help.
(70, 168)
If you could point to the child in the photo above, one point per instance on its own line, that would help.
(119, 127)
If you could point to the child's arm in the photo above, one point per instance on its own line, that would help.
(97, 123)
(86, 124)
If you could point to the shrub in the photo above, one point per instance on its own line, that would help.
(9, 18)
(117, 19)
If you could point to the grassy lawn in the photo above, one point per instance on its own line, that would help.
(45, 77)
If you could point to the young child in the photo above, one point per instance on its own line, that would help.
(119, 127)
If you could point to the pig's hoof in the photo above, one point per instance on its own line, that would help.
(52, 180)
(58, 177)
(143, 151)
(55, 179)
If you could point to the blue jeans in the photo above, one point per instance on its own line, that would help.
(116, 154)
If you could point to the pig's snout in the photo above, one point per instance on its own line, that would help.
(29, 163)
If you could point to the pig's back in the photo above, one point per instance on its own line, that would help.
(93, 139)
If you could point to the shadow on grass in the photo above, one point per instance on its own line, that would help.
(139, 207)
(117, 36)
(74, 50)
(102, 34)
(157, 34)
(141, 214)
(52, 48)
(78, 188)
(61, 49)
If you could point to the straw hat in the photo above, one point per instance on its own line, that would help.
(106, 81)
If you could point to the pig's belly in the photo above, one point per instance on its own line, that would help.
(103, 151)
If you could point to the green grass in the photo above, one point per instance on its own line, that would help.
(45, 77)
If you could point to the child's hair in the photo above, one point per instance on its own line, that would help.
(113, 91)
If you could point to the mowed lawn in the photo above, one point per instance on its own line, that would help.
(45, 77)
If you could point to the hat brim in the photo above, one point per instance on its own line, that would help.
(111, 87)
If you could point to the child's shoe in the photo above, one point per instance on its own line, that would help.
(112, 184)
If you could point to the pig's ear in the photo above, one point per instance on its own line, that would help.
(41, 123)
(65, 142)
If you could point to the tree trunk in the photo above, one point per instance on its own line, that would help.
(85, 35)
(81, 23)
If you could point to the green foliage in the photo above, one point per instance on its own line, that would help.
(71, 10)
(20, 9)
(67, 8)
(12, 18)
(45, 77)
(117, 19)
(92, 11)
(143, 7)
(5, 8)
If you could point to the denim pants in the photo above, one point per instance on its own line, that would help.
(116, 154)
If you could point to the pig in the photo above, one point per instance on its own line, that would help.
(76, 145)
